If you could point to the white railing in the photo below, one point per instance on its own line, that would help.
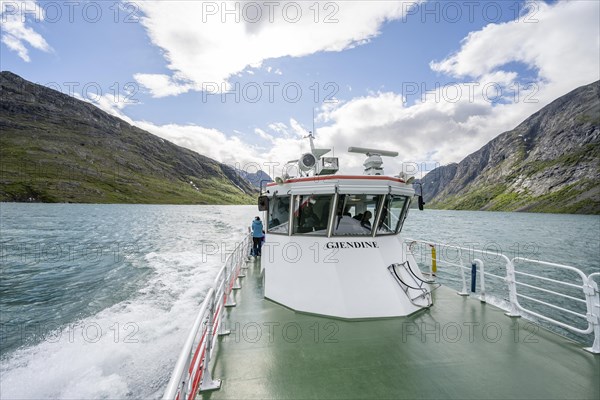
(587, 285)
(192, 369)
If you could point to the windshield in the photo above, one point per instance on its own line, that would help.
(356, 214)
(279, 215)
(311, 214)
(393, 214)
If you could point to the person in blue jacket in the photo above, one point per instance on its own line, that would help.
(257, 235)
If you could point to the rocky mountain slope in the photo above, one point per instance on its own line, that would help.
(256, 178)
(549, 163)
(55, 148)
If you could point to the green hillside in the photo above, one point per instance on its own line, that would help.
(549, 163)
(55, 148)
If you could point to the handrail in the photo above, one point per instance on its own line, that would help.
(588, 286)
(477, 261)
(464, 291)
(595, 306)
(583, 277)
(549, 280)
(549, 291)
(461, 266)
(191, 370)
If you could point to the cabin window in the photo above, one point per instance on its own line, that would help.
(393, 214)
(279, 215)
(356, 214)
(311, 214)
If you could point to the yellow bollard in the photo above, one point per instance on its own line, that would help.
(433, 261)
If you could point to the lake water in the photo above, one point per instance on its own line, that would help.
(96, 300)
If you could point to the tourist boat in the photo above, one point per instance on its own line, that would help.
(341, 305)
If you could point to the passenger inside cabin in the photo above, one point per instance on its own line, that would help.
(346, 225)
(309, 219)
(279, 214)
(324, 215)
(365, 220)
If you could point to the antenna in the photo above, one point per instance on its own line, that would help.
(313, 162)
(369, 152)
(373, 162)
(313, 111)
(311, 138)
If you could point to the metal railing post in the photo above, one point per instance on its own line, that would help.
(511, 282)
(464, 291)
(593, 315)
(236, 272)
(481, 280)
(431, 264)
(433, 267)
(241, 251)
(208, 383)
(229, 284)
(239, 261)
(183, 390)
(221, 301)
(248, 248)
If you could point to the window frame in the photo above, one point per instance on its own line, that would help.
(272, 200)
(334, 205)
(377, 211)
(401, 217)
(293, 218)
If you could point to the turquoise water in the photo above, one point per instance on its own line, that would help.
(570, 239)
(96, 300)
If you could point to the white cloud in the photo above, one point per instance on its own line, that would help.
(298, 129)
(163, 85)
(202, 44)
(279, 127)
(206, 141)
(232, 150)
(109, 103)
(563, 47)
(441, 128)
(263, 135)
(561, 42)
(16, 35)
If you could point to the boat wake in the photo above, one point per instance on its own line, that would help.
(127, 350)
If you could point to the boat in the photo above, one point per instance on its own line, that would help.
(341, 305)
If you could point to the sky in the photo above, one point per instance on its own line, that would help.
(245, 82)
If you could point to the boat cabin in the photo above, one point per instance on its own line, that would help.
(338, 206)
(332, 244)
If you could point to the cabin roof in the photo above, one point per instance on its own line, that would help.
(339, 178)
(343, 184)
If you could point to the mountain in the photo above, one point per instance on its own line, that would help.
(256, 178)
(55, 148)
(549, 163)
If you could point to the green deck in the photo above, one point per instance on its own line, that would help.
(395, 358)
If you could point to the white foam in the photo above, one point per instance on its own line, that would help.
(127, 350)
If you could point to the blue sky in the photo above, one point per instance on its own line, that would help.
(364, 70)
